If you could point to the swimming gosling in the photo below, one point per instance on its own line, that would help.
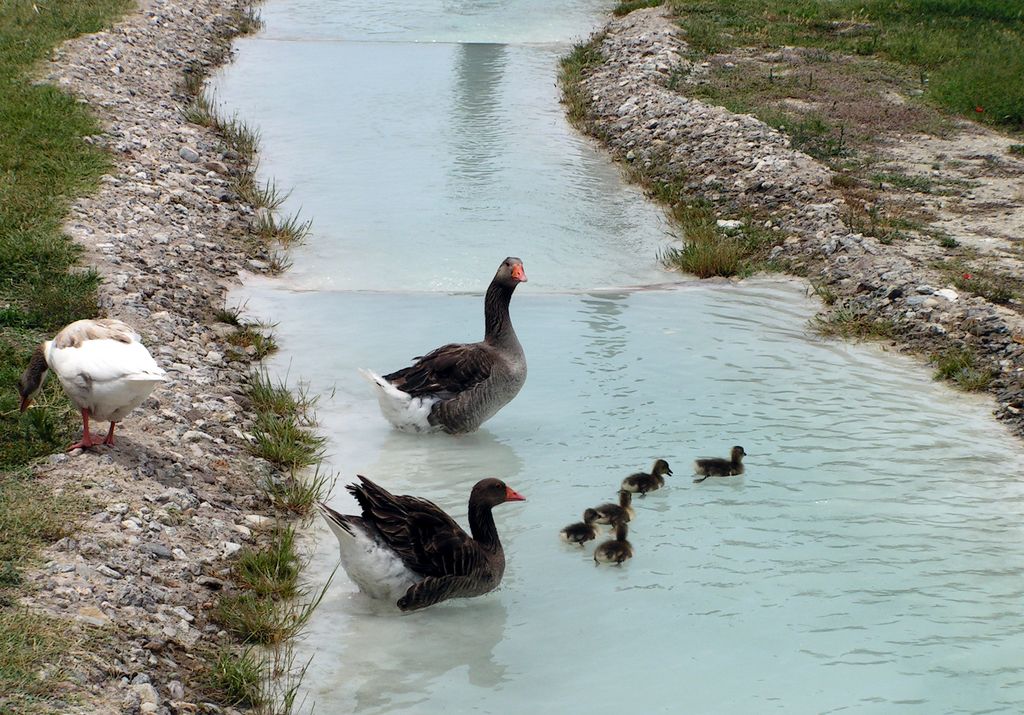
(614, 551)
(616, 513)
(641, 482)
(718, 467)
(581, 531)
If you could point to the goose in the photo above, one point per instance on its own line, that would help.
(718, 467)
(614, 551)
(616, 513)
(641, 482)
(458, 387)
(103, 367)
(407, 550)
(581, 531)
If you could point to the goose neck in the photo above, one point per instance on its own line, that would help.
(481, 526)
(497, 322)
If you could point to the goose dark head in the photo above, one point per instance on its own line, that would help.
(621, 531)
(31, 381)
(625, 498)
(590, 515)
(738, 453)
(491, 492)
(661, 468)
(511, 272)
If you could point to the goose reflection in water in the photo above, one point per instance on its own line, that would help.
(442, 468)
(478, 134)
(427, 652)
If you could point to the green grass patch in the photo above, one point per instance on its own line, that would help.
(988, 285)
(984, 282)
(624, 8)
(969, 54)
(35, 652)
(960, 366)
(574, 66)
(44, 164)
(1016, 149)
(920, 184)
(32, 515)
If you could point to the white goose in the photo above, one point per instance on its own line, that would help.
(102, 366)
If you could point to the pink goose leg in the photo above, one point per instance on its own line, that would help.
(86, 440)
(109, 439)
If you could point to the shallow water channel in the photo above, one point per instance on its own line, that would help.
(871, 560)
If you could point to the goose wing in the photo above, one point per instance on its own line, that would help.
(427, 540)
(104, 360)
(446, 371)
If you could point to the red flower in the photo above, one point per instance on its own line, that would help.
(979, 109)
(967, 276)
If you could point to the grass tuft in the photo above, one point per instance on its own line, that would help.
(826, 292)
(287, 232)
(260, 195)
(201, 111)
(240, 137)
(257, 336)
(300, 493)
(231, 316)
(272, 570)
(848, 324)
(278, 399)
(281, 440)
(959, 366)
(237, 678)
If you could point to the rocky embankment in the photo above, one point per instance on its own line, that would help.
(177, 496)
(637, 107)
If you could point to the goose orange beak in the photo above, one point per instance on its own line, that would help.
(519, 273)
(512, 495)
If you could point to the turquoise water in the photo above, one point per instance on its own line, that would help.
(871, 560)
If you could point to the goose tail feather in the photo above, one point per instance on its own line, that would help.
(405, 412)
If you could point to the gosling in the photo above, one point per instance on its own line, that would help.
(614, 551)
(582, 531)
(718, 467)
(615, 514)
(641, 482)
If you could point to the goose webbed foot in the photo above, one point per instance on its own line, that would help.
(87, 440)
